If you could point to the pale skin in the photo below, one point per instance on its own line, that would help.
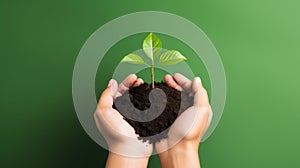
(180, 149)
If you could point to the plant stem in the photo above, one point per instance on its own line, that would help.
(152, 72)
(152, 75)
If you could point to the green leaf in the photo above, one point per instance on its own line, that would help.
(152, 46)
(133, 59)
(171, 57)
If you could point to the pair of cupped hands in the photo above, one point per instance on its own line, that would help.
(184, 135)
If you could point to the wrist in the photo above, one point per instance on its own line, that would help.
(132, 149)
(183, 154)
(119, 161)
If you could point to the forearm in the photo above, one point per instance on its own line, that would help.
(117, 161)
(181, 155)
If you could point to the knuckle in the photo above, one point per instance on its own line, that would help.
(95, 115)
(203, 91)
(190, 137)
(205, 109)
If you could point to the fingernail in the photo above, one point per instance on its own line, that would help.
(198, 80)
(110, 83)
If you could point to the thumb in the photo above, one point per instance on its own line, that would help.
(200, 94)
(107, 96)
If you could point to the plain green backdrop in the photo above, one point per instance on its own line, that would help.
(258, 41)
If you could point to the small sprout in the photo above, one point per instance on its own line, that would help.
(171, 57)
(152, 47)
(133, 59)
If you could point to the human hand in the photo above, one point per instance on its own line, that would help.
(119, 135)
(181, 147)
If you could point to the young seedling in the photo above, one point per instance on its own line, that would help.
(152, 47)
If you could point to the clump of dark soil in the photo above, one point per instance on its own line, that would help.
(151, 114)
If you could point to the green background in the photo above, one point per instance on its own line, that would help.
(258, 41)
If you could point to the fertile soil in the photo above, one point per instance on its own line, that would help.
(148, 122)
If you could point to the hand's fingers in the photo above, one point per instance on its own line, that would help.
(182, 81)
(209, 119)
(127, 82)
(200, 94)
(138, 82)
(172, 83)
(107, 96)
